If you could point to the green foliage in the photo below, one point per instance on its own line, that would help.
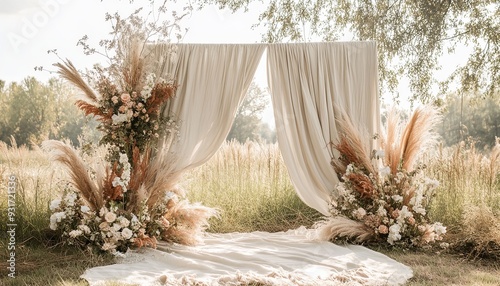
(247, 123)
(470, 119)
(411, 35)
(32, 111)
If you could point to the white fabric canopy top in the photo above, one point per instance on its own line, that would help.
(310, 85)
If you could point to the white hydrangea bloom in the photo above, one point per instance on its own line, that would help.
(55, 204)
(397, 198)
(119, 118)
(439, 228)
(75, 233)
(404, 213)
(70, 199)
(384, 171)
(84, 209)
(394, 234)
(84, 228)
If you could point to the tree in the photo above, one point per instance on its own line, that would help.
(411, 35)
(465, 118)
(247, 122)
(32, 111)
(29, 112)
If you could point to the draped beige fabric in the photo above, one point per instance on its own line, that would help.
(310, 83)
(212, 81)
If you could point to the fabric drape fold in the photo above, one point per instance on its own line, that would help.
(310, 85)
(212, 81)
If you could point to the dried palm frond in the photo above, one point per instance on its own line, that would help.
(68, 71)
(191, 219)
(138, 177)
(354, 144)
(143, 240)
(133, 66)
(362, 184)
(80, 178)
(159, 178)
(417, 135)
(161, 92)
(109, 191)
(390, 145)
(140, 164)
(89, 108)
(339, 227)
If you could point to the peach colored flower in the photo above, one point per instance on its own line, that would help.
(411, 221)
(395, 214)
(383, 229)
(125, 97)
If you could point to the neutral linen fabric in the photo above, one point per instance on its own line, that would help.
(310, 83)
(212, 81)
(285, 258)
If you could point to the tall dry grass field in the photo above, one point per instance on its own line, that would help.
(36, 185)
(468, 199)
(249, 183)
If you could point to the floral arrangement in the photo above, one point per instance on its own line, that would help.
(382, 195)
(130, 198)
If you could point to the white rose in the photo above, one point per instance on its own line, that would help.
(110, 217)
(127, 233)
(104, 226)
(123, 221)
(116, 227)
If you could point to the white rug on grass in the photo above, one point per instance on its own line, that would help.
(285, 258)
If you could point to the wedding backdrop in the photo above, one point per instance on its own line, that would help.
(312, 85)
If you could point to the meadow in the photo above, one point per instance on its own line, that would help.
(250, 186)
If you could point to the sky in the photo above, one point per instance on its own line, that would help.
(29, 28)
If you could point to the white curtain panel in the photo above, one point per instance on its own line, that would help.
(310, 83)
(212, 80)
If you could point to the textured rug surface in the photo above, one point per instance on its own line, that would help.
(294, 257)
